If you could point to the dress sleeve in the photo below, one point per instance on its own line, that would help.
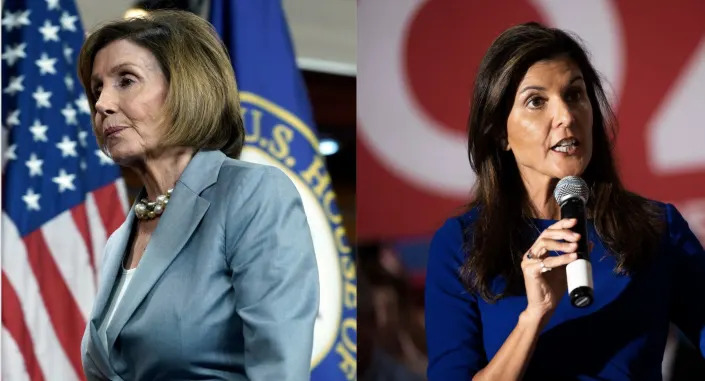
(688, 293)
(453, 325)
(270, 254)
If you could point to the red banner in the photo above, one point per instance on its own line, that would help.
(417, 68)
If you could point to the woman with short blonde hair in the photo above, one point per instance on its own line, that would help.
(213, 273)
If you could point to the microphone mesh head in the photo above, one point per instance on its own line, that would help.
(569, 187)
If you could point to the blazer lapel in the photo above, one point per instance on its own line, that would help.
(113, 262)
(181, 217)
(111, 266)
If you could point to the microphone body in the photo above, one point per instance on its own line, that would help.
(571, 193)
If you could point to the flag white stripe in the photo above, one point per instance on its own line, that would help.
(72, 258)
(14, 367)
(122, 193)
(49, 352)
(97, 231)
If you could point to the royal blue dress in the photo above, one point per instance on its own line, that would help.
(621, 336)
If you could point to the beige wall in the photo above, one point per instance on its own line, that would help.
(324, 31)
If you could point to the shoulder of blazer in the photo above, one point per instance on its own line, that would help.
(249, 178)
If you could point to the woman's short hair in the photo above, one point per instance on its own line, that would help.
(202, 106)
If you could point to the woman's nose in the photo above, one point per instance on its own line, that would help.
(563, 115)
(105, 104)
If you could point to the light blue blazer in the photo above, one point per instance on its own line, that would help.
(227, 288)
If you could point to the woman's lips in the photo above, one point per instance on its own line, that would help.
(113, 130)
(567, 150)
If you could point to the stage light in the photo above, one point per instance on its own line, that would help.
(328, 146)
(134, 13)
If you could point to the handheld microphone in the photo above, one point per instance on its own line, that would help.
(572, 194)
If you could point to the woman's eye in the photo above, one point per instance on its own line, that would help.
(535, 102)
(574, 96)
(125, 82)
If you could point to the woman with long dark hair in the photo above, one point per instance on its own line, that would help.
(496, 293)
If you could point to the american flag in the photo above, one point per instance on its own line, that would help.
(62, 196)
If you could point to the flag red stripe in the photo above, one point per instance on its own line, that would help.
(109, 207)
(80, 218)
(66, 317)
(13, 321)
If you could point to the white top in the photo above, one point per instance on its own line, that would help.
(123, 281)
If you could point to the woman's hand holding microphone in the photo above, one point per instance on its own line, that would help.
(544, 274)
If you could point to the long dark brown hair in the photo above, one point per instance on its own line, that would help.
(628, 225)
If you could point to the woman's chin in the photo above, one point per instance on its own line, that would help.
(569, 171)
(570, 166)
(123, 158)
